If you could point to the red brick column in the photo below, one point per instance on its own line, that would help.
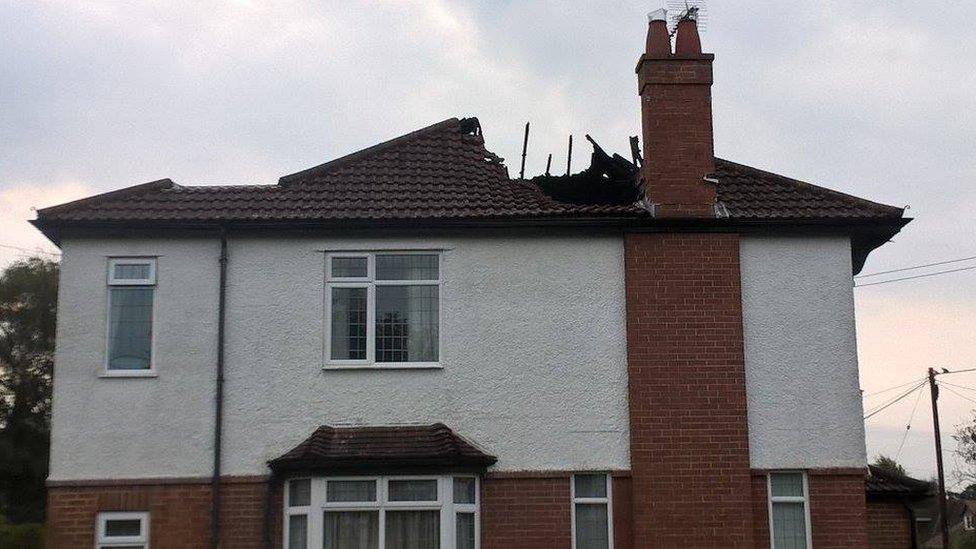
(179, 511)
(688, 420)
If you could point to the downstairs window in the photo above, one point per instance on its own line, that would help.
(389, 512)
(789, 512)
(118, 530)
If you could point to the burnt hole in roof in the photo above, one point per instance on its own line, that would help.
(609, 180)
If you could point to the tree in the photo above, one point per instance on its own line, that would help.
(965, 437)
(28, 306)
(889, 464)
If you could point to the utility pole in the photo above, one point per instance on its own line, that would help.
(944, 519)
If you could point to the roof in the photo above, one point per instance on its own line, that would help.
(441, 172)
(886, 483)
(404, 447)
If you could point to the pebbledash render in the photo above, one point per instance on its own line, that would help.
(406, 348)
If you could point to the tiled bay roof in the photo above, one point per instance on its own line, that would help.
(441, 172)
(387, 448)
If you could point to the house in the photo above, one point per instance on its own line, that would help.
(961, 513)
(897, 513)
(404, 347)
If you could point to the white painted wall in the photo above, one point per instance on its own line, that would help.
(801, 357)
(533, 354)
(118, 428)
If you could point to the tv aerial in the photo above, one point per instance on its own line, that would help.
(686, 9)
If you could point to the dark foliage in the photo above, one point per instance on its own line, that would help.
(28, 302)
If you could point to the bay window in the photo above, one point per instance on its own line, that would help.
(415, 512)
(789, 512)
(382, 309)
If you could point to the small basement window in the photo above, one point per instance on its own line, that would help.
(118, 530)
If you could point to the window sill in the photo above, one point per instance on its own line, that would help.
(127, 374)
(386, 366)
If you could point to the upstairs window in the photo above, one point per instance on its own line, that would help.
(789, 513)
(118, 530)
(132, 287)
(383, 308)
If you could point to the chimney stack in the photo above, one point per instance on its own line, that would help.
(676, 118)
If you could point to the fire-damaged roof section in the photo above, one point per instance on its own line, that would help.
(405, 447)
(882, 482)
(444, 172)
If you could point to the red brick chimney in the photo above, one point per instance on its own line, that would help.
(676, 116)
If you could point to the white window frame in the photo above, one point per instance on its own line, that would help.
(150, 281)
(142, 540)
(608, 501)
(370, 283)
(804, 499)
(968, 522)
(444, 504)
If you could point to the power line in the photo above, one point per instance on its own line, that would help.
(961, 259)
(957, 386)
(889, 389)
(878, 410)
(916, 276)
(958, 394)
(956, 371)
(908, 427)
(28, 250)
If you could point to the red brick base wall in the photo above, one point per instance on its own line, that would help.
(838, 517)
(179, 512)
(888, 525)
(526, 511)
(837, 509)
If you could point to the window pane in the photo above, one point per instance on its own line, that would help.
(464, 488)
(349, 267)
(352, 530)
(413, 490)
(130, 328)
(348, 324)
(413, 529)
(123, 527)
(407, 267)
(351, 490)
(297, 532)
(406, 323)
(131, 272)
(465, 531)
(299, 492)
(789, 526)
(591, 526)
(786, 484)
(591, 486)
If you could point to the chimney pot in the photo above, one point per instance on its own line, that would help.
(658, 39)
(687, 41)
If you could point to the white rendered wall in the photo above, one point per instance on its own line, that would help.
(803, 396)
(133, 428)
(533, 354)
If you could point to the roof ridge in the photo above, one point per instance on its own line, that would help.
(828, 190)
(357, 155)
(125, 192)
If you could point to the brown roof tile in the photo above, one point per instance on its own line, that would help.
(387, 448)
(442, 171)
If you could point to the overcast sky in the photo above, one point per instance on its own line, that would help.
(870, 98)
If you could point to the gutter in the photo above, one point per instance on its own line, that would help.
(219, 396)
